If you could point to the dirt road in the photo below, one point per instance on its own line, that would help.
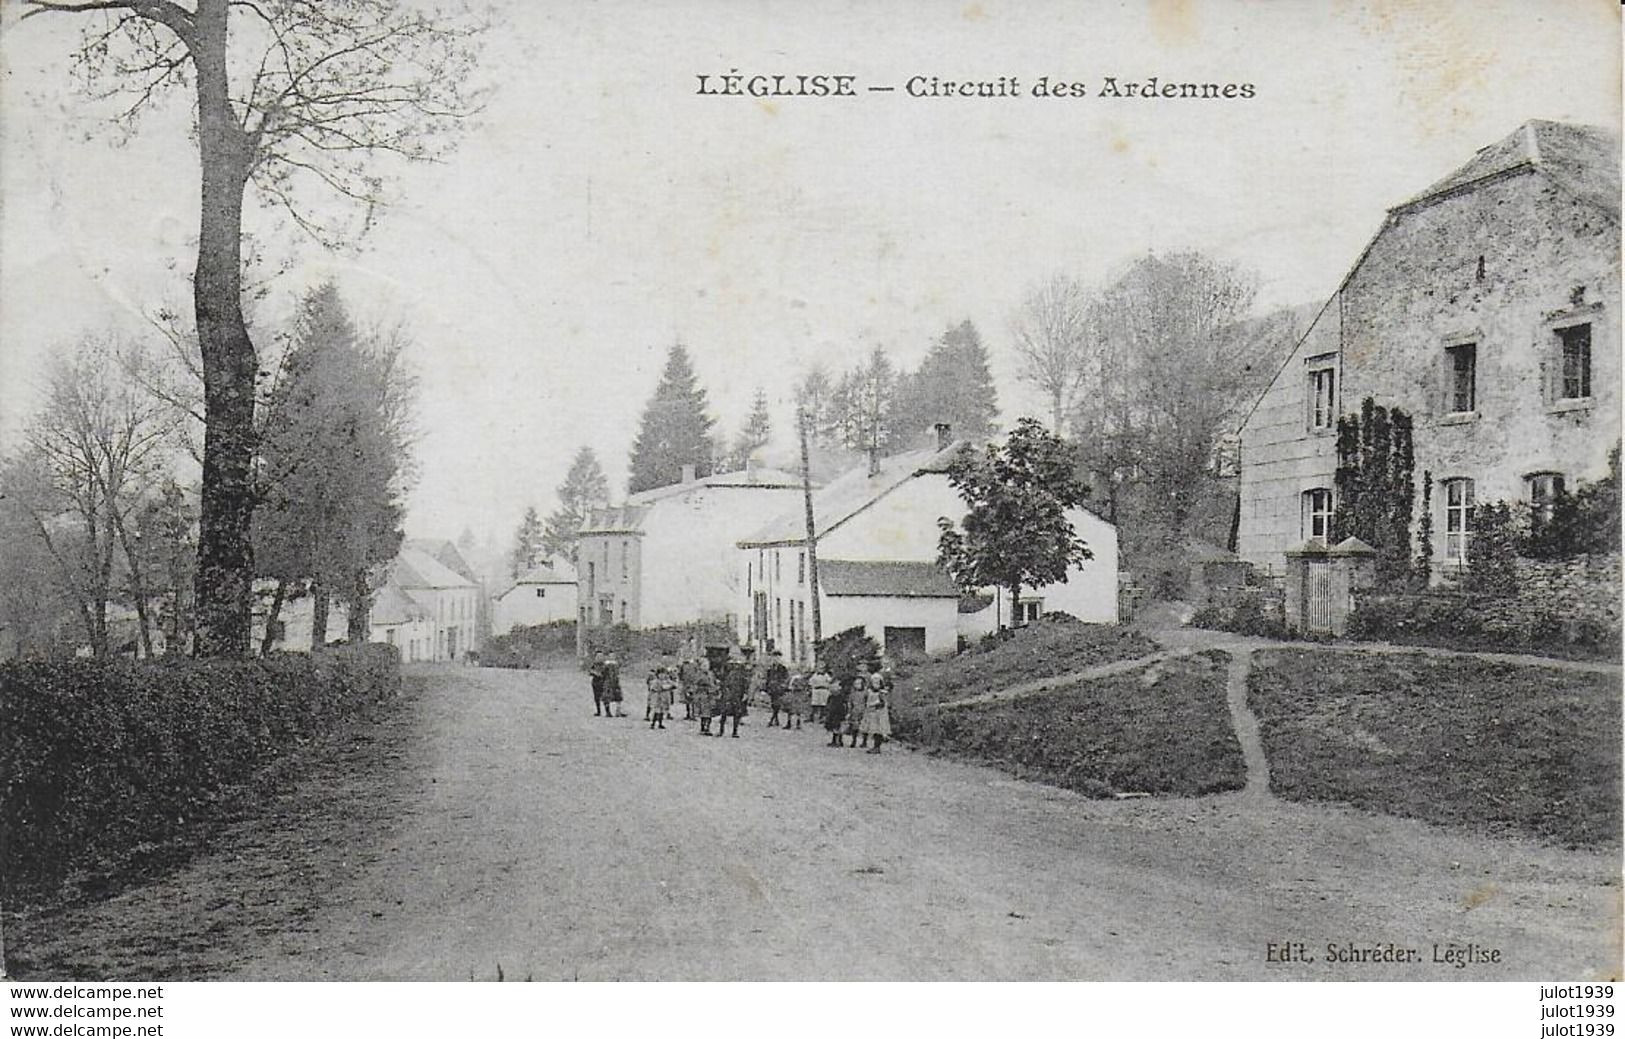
(496, 821)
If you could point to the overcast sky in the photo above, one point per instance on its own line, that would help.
(602, 208)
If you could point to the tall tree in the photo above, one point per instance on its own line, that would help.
(753, 435)
(953, 385)
(675, 430)
(584, 488)
(332, 464)
(1169, 351)
(527, 544)
(1051, 333)
(813, 392)
(286, 92)
(95, 451)
(1015, 532)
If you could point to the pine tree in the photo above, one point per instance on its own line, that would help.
(753, 435)
(527, 544)
(584, 488)
(331, 466)
(953, 385)
(675, 430)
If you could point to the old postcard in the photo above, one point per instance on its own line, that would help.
(1078, 491)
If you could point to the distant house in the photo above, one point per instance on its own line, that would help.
(665, 557)
(425, 607)
(543, 594)
(877, 548)
(1486, 307)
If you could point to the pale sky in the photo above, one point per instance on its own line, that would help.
(602, 208)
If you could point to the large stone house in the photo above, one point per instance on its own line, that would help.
(877, 547)
(665, 557)
(1487, 307)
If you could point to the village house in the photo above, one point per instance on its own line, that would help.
(1487, 307)
(877, 548)
(665, 556)
(541, 595)
(425, 607)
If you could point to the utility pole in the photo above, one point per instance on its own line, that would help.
(812, 529)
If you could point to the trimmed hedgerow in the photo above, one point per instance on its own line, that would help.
(98, 758)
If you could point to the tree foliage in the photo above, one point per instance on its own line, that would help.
(953, 385)
(333, 463)
(527, 544)
(94, 453)
(584, 488)
(1015, 532)
(675, 429)
(1375, 485)
(752, 436)
(1167, 364)
(1051, 331)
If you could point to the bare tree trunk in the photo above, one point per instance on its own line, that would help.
(1056, 410)
(319, 599)
(1015, 606)
(138, 586)
(359, 622)
(224, 583)
(272, 617)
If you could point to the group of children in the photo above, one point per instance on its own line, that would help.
(858, 708)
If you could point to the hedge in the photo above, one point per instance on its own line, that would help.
(100, 758)
(1466, 621)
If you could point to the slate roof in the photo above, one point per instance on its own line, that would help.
(416, 569)
(908, 580)
(394, 606)
(615, 519)
(1583, 160)
(776, 479)
(544, 573)
(851, 493)
(443, 552)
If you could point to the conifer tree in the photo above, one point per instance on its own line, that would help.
(584, 488)
(527, 544)
(753, 435)
(675, 430)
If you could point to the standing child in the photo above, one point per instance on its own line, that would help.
(835, 714)
(662, 683)
(857, 704)
(877, 714)
(819, 684)
(795, 698)
(612, 688)
(596, 672)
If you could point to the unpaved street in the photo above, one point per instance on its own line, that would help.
(499, 822)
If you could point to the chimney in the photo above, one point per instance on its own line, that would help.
(945, 435)
(688, 474)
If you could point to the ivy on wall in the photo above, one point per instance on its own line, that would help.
(1375, 486)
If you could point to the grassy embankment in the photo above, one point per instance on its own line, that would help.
(1159, 729)
(1490, 746)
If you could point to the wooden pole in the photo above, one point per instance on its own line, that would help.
(812, 531)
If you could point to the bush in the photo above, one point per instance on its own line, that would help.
(1460, 620)
(528, 646)
(1248, 613)
(98, 758)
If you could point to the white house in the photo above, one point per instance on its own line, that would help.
(544, 594)
(877, 548)
(665, 557)
(426, 608)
